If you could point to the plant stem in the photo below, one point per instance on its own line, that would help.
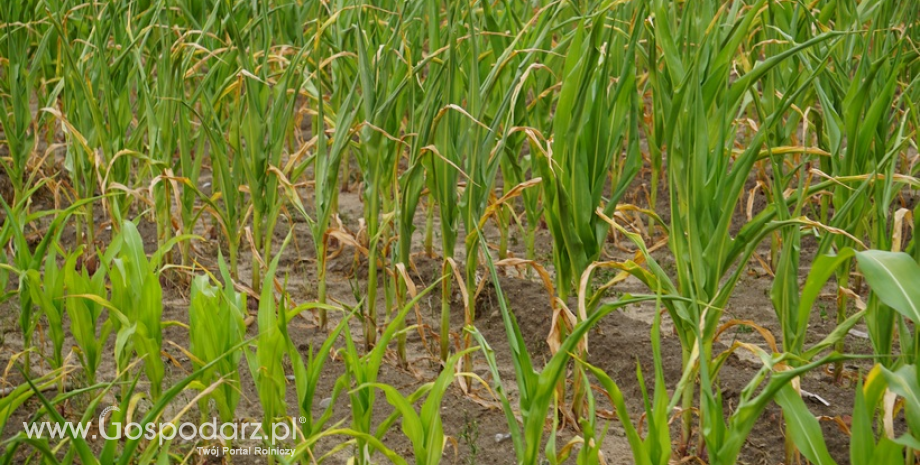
(445, 311)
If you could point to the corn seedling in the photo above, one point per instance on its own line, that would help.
(307, 374)
(595, 122)
(537, 388)
(423, 428)
(22, 393)
(326, 172)
(89, 330)
(138, 297)
(117, 450)
(266, 362)
(48, 293)
(21, 73)
(655, 447)
(216, 326)
(362, 370)
(26, 259)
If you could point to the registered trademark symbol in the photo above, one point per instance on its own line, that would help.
(302, 420)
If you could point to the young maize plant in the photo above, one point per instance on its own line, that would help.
(411, 183)
(444, 159)
(327, 162)
(266, 363)
(361, 372)
(467, 132)
(169, 133)
(105, 137)
(261, 117)
(594, 136)
(888, 275)
(865, 449)
(23, 393)
(136, 303)
(382, 80)
(424, 428)
(226, 203)
(84, 291)
(21, 71)
(862, 135)
(537, 389)
(216, 327)
(117, 450)
(441, 168)
(789, 174)
(530, 121)
(307, 374)
(700, 112)
(655, 448)
(48, 294)
(26, 261)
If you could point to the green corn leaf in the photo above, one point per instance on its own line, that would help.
(892, 276)
(803, 427)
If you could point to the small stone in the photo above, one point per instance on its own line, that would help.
(325, 402)
(499, 438)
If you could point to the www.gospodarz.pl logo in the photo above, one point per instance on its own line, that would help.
(163, 432)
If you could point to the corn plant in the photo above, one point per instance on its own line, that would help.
(537, 388)
(5, 271)
(862, 114)
(410, 185)
(475, 129)
(307, 374)
(382, 98)
(25, 259)
(701, 107)
(137, 302)
(886, 273)
(90, 331)
(362, 371)
(655, 448)
(261, 116)
(226, 204)
(103, 138)
(426, 168)
(327, 162)
(441, 176)
(169, 132)
(592, 436)
(21, 74)
(266, 362)
(423, 428)
(48, 293)
(889, 276)
(802, 428)
(22, 393)
(117, 450)
(594, 123)
(865, 449)
(216, 326)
